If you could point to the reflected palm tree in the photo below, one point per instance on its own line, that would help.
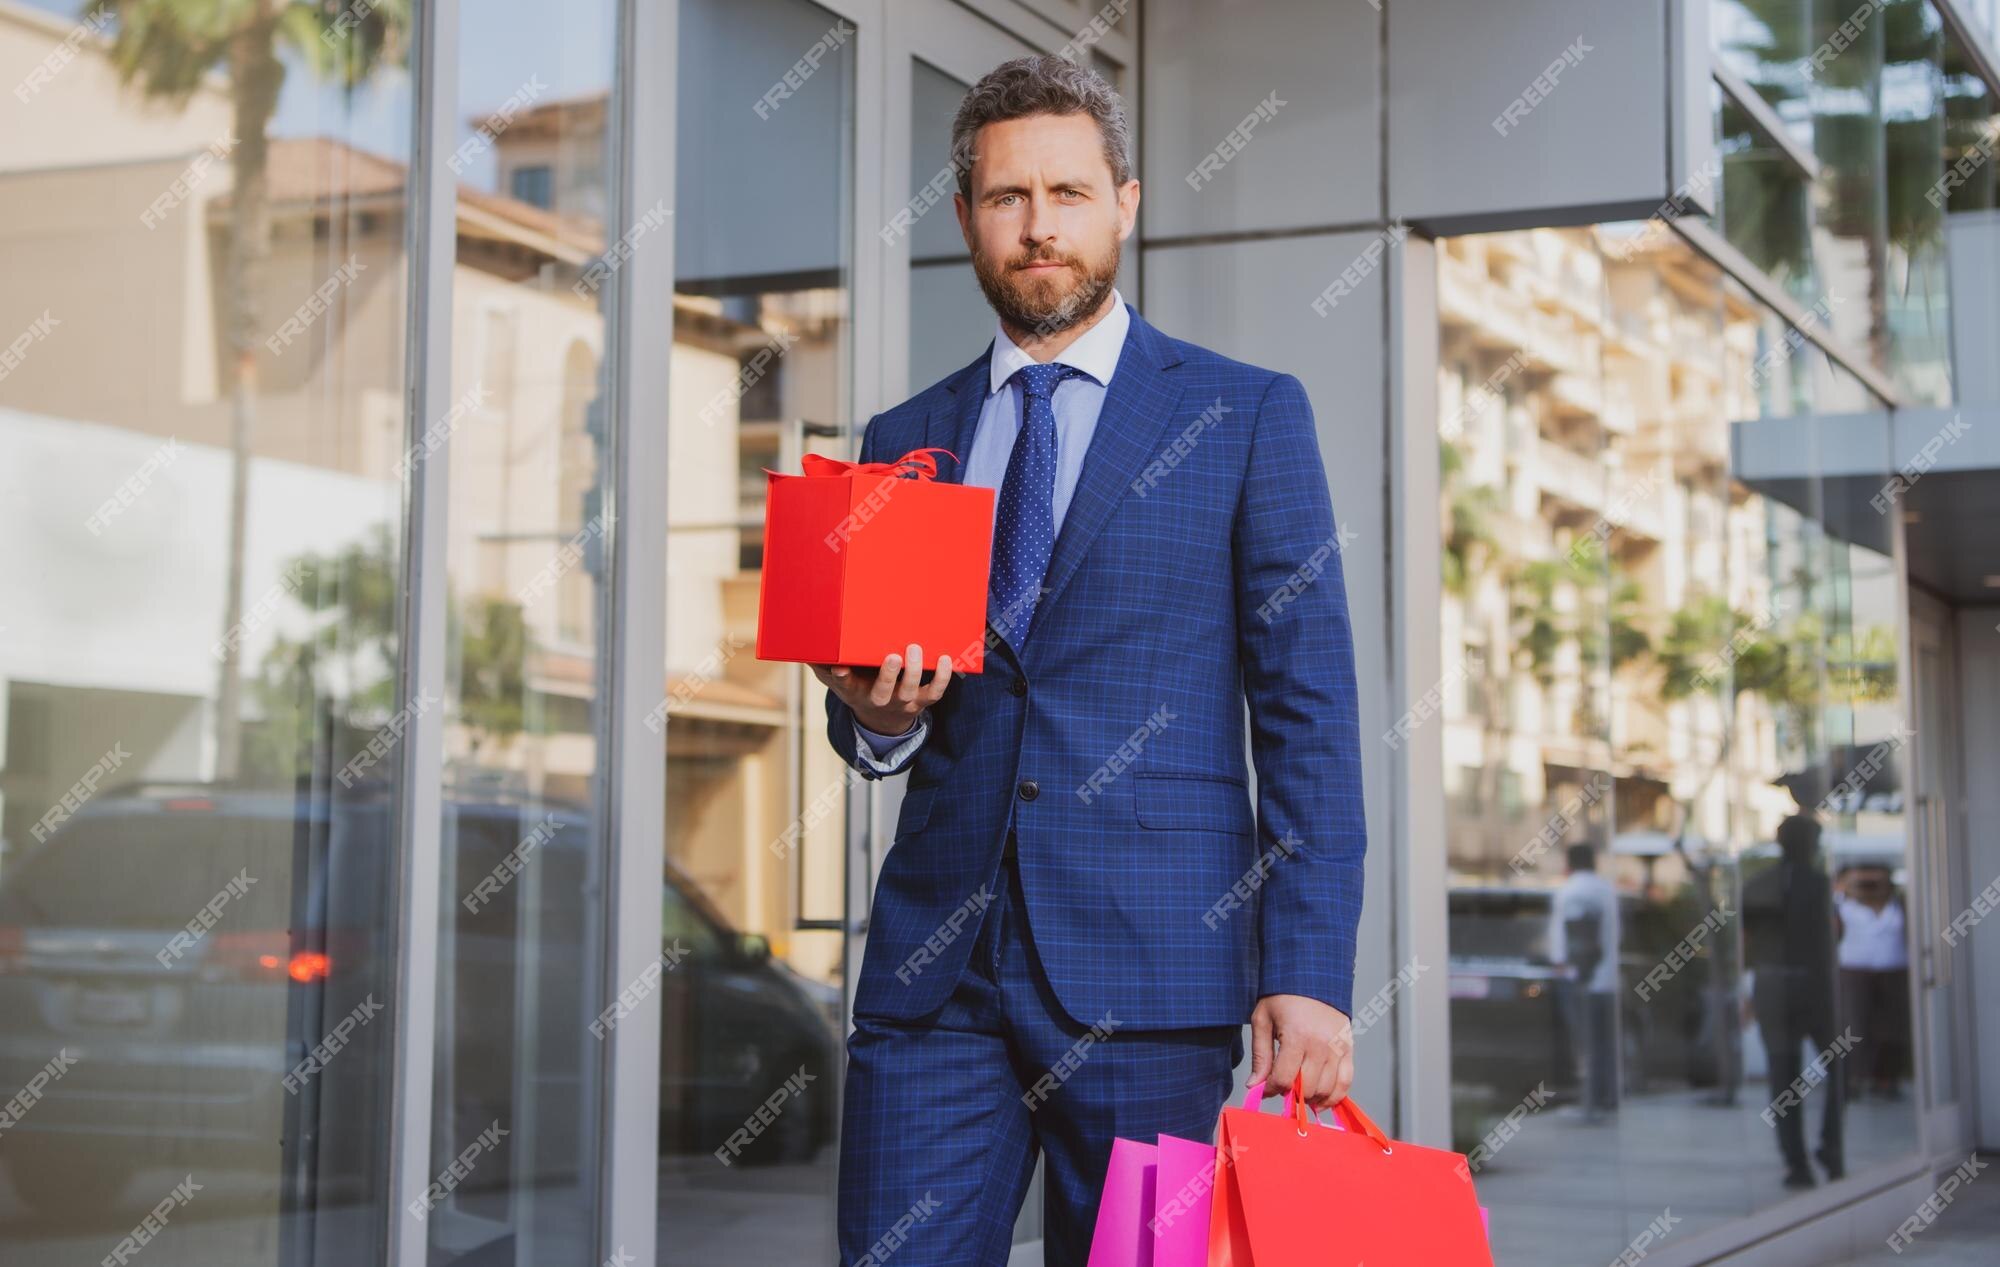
(326, 686)
(167, 49)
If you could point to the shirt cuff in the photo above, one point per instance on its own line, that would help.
(886, 753)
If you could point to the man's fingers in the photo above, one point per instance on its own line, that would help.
(1314, 1067)
(885, 681)
(1260, 1048)
(935, 691)
(1343, 1079)
(825, 675)
(1331, 1082)
(1285, 1064)
(913, 675)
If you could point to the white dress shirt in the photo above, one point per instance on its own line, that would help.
(1871, 938)
(1077, 403)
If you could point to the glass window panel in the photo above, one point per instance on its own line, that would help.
(753, 890)
(1766, 203)
(1913, 120)
(200, 414)
(1768, 43)
(1850, 198)
(1972, 128)
(1665, 657)
(1533, 574)
(513, 1137)
(947, 312)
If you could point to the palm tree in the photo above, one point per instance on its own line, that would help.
(167, 49)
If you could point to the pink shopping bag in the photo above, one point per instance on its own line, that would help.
(1182, 1185)
(1122, 1238)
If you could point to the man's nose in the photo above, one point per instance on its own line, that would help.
(1040, 226)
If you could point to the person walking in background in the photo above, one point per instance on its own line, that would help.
(1583, 935)
(1875, 976)
(1788, 934)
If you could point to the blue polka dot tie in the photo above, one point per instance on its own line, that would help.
(1026, 533)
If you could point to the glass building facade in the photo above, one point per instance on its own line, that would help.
(404, 858)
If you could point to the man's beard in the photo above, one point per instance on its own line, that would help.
(1039, 303)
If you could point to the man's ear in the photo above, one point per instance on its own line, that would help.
(1128, 209)
(964, 210)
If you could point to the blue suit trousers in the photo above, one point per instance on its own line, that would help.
(945, 1114)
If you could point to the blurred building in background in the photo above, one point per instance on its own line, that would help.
(400, 839)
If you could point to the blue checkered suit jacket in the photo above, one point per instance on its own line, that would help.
(1196, 567)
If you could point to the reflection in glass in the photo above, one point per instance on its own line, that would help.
(1913, 123)
(1972, 128)
(947, 312)
(519, 1029)
(1765, 208)
(201, 232)
(1656, 655)
(1850, 204)
(753, 889)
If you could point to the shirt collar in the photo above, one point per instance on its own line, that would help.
(1095, 352)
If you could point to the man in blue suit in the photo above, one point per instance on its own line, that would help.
(1081, 907)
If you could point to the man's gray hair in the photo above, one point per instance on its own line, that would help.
(1043, 84)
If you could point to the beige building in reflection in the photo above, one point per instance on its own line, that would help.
(745, 762)
(1586, 384)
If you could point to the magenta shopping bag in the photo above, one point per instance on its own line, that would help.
(1122, 1238)
(1182, 1184)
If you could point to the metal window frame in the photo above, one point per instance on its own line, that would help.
(1765, 120)
(1723, 253)
(430, 246)
(640, 313)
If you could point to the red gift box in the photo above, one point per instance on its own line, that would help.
(865, 558)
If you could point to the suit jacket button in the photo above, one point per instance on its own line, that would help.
(1019, 686)
(1029, 789)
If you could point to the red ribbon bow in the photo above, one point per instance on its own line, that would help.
(917, 464)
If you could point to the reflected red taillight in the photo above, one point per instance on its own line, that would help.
(13, 950)
(308, 965)
(266, 957)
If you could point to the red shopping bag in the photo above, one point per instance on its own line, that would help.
(864, 558)
(1297, 1194)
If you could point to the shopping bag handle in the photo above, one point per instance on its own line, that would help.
(1347, 1114)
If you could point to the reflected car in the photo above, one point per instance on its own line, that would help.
(1510, 1030)
(178, 950)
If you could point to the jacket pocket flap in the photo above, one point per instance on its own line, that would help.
(1192, 802)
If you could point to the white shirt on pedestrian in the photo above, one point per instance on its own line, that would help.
(1870, 938)
(1586, 893)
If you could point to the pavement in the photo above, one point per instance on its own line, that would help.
(1565, 1191)
(1966, 1234)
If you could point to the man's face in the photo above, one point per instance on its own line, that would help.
(1045, 223)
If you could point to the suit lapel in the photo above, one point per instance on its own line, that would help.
(1137, 410)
